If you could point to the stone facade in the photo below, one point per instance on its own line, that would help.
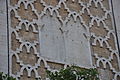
(3, 38)
(117, 16)
(53, 34)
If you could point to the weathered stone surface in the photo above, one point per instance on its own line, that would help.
(116, 8)
(52, 34)
(60, 32)
(3, 38)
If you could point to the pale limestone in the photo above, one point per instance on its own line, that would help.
(116, 7)
(3, 38)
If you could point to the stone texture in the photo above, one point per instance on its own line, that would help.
(3, 38)
(116, 8)
(50, 34)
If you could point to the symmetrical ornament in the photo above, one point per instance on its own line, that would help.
(52, 34)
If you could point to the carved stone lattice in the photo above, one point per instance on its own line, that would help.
(47, 35)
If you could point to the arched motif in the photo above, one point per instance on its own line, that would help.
(63, 35)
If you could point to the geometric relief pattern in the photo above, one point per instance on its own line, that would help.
(26, 18)
(103, 41)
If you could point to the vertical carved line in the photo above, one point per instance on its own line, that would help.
(115, 27)
(7, 34)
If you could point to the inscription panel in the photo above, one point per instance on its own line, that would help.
(64, 42)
